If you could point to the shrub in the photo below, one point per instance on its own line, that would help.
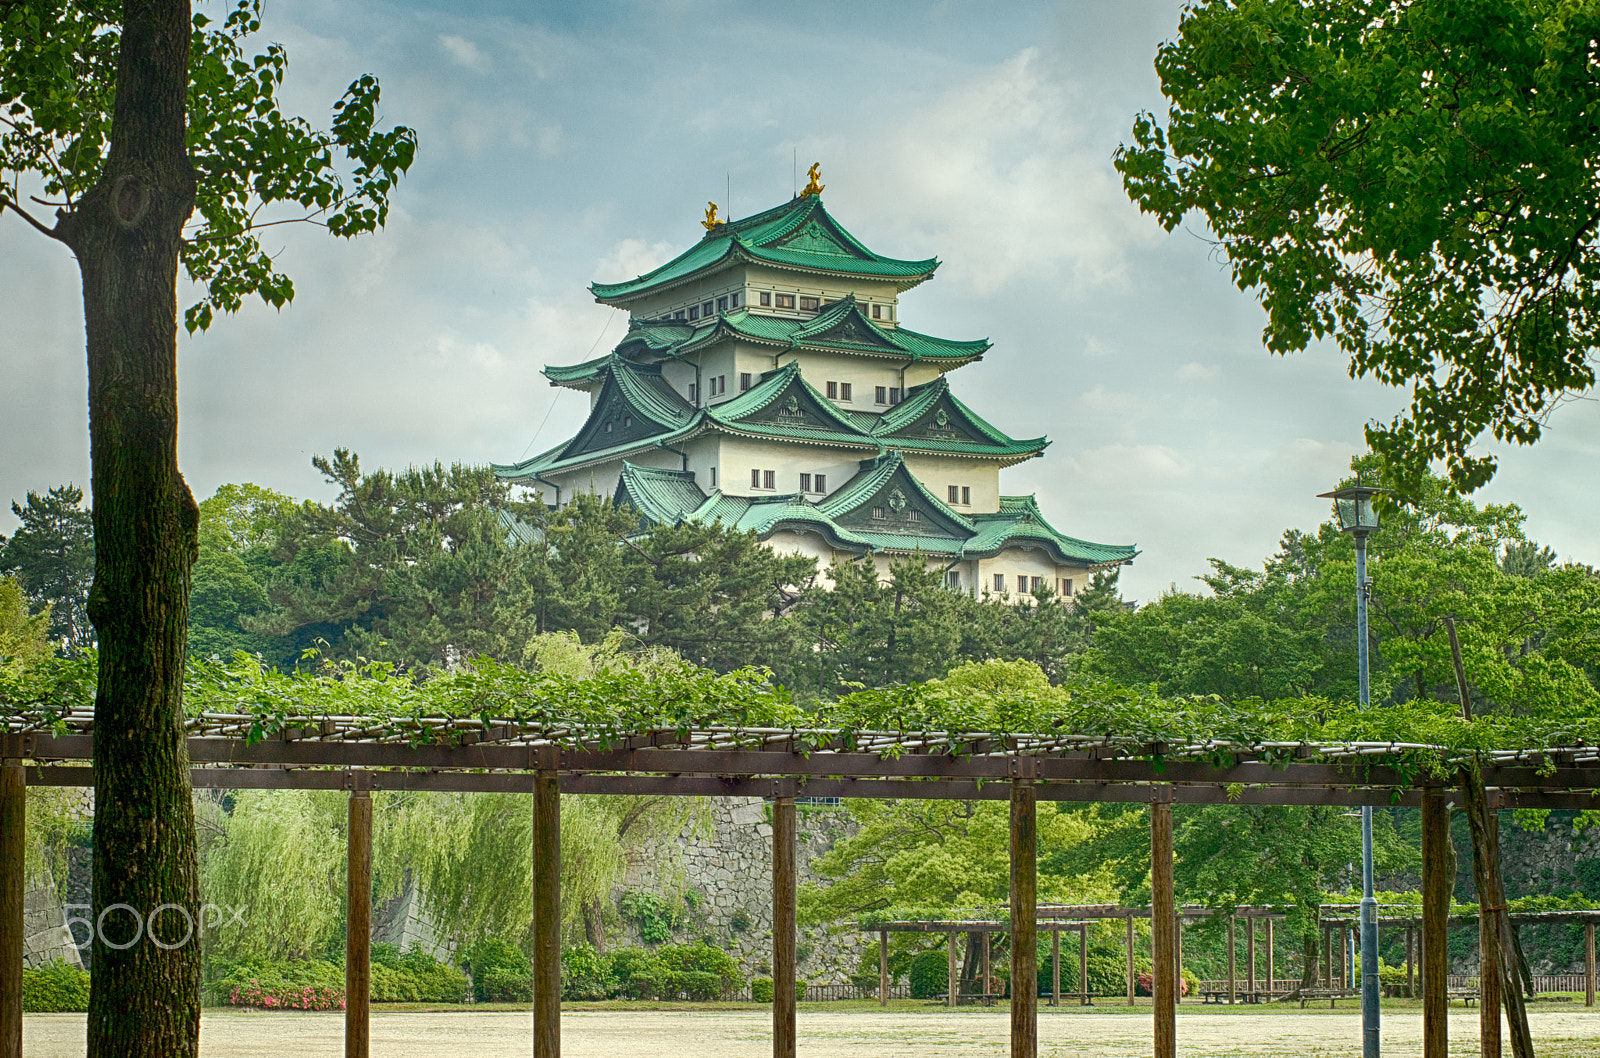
(1143, 983)
(437, 982)
(584, 974)
(57, 987)
(930, 973)
(633, 971)
(761, 989)
(679, 960)
(501, 973)
(699, 985)
(740, 921)
(299, 984)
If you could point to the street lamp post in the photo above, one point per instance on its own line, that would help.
(1358, 518)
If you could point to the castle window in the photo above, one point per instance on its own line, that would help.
(733, 299)
(894, 395)
(713, 477)
(705, 309)
(833, 391)
(955, 494)
(678, 315)
(694, 312)
(767, 479)
(880, 395)
(805, 482)
(608, 426)
(821, 483)
(1066, 586)
(722, 304)
(1000, 582)
(694, 393)
(1022, 584)
(766, 299)
(627, 420)
(810, 304)
(744, 381)
(914, 515)
(844, 391)
(952, 579)
(755, 479)
(877, 512)
(785, 301)
(966, 495)
(877, 314)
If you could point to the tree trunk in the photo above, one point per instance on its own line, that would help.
(594, 925)
(126, 232)
(1312, 966)
(1492, 906)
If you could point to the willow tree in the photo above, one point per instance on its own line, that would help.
(158, 141)
(1412, 179)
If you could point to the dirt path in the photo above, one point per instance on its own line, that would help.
(1103, 1033)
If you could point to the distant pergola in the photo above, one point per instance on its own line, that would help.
(469, 755)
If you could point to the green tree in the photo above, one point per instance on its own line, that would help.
(1413, 180)
(158, 139)
(52, 556)
(416, 567)
(239, 527)
(24, 637)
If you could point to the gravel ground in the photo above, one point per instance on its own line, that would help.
(1099, 1033)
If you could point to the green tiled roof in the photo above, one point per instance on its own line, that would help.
(577, 375)
(945, 424)
(798, 235)
(1019, 521)
(840, 326)
(847, 521)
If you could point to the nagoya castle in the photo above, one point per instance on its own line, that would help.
(766, 381)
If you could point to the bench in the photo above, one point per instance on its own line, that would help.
(1220, 995)
(1332, 995)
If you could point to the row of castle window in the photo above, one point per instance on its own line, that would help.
(716, 385)
(1026, 584)
(710, 308)
(627, 421)
(961, 494)
(912, 514)
(768, 479)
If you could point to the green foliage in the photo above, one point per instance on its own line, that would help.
(761, 989)
(415, 977)
(695, 968)
(1413, 181)
(51, 555)
(654, 917)
(585, 974)
(24, 637)
(501, 972)
(298, 984)
(57, 86)
(929, 974)
(58, 987)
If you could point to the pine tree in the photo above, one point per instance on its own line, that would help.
(52, 557)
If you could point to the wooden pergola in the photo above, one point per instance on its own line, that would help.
(360, 755)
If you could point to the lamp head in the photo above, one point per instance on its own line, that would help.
(1353, 504)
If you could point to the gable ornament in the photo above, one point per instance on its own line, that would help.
(897, 501)
(815, 186)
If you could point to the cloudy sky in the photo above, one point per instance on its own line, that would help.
(563, 142)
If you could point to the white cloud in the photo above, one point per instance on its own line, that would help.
(1194, 372)
(1000, 174)
(1094, 347)
(464, 53)
(633, 257)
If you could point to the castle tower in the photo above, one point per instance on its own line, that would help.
(766, 381)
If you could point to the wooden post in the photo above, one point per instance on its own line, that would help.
(1438, 871)
(951, 993)
(983, 969)
(1327, 956)
(1177, 945)
(1163, 927)
(783, 927)
(1488, 982)
(547, 914)
(1233, 969)
(1271, 986)
(1131, 982)
(1024, 921)
(1588, 964)
(358, 922)
(1055, 967)
(13, 842)
(1083, 965)
(1250, 956)
(1411, 982)
(883, 968)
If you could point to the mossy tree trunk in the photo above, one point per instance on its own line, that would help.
(126, 233)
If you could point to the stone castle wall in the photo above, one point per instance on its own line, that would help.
(724, 870)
